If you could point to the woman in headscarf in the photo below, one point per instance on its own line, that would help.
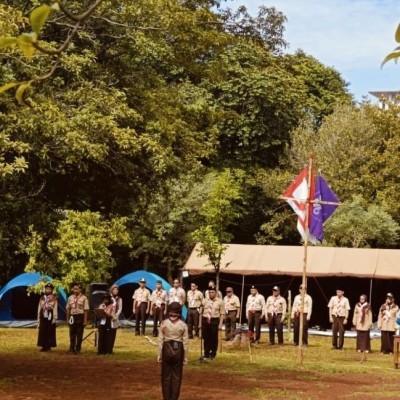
(387, 323)
(172, 352)
(104, 327)
(362, 320)
(47, 318)
(117, 303)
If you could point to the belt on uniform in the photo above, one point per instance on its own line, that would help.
(230, 311)
(193, 308)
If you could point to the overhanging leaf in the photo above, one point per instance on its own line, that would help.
(38, 17)
(25, 43)
(397, 34)
(8, 86)
(7, 42)
(19, 94)
(391, 56)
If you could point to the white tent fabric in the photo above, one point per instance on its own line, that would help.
(288, 260)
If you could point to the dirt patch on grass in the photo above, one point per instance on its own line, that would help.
(59, 376)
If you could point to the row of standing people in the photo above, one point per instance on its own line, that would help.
(77, 317)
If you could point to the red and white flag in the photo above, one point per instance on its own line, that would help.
(298, 195)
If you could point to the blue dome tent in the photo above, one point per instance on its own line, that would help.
(133, 279)
(18, 308)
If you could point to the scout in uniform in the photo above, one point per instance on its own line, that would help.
(141, 306)
(232, 312)
(213, 313)
(158, 309)
(275, 312)
(105, 328)
(47, 318)
(254, 312)
(195, 301)
(362, 320)
(172, 352)
(339, 308)
(387, 323)
(77, 314)
(117, 303)
(177, 294)
(296, 311)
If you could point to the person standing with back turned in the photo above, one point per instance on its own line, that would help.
(172, 352)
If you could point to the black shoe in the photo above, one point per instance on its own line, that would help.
(44, 349)
(137, 333)
(155, 334)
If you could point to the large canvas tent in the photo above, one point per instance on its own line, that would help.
(288, 260)
(18, 308)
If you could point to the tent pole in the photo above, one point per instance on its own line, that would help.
(241, 301)
(370, 291)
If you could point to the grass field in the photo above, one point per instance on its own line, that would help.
(270, 372)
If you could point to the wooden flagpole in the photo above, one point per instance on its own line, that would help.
(304, 277)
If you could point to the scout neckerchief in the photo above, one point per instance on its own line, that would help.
(76, 301)
(46, 307)
(115, 300)
(253, 299)
(210, 310)
(193, 298)
(107, 309)
(364, 307)
(176, 297)
(158, 294)
(385, 309)
(276, 304)
(227, 303)
(339, 306)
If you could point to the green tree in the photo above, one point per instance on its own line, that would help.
(80, 251)
(221, 209)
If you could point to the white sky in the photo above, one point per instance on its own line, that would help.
(353, 36)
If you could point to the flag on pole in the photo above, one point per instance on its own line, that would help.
(296, 195)
(322, 208)
(320, 199)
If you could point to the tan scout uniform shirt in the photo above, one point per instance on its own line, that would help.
(194, 298)
(232, 303)
(117, 304)
(48, 302)
(255, 303)
(387, 317)
(358, 310)
(339, 307)
(177, 295)
(177, 331)
(77, 304)
(213, 308)
(307, 306)
(159, 297)
(275, 305)
(141, 295)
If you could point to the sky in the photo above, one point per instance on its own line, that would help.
(353, 36)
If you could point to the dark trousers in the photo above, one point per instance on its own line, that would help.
(140, 317)
(105, 340)
(387, 342)
(209, 331)
(275, 322)
(76, 333)
(113, 336)
(171, 369)
(158, 317)
(338, 328)
(47, 332)
(255, 324)
(296, 329)
(193, 321)
(230, 324)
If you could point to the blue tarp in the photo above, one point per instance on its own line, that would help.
(134, 277)
(15, 301)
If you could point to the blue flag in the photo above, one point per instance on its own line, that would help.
(321, 212)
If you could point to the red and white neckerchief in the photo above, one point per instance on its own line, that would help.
(210, 310)
(386, 312)
(339, 307)
(362, 311)
(192, 298)
(159, 301)
(46, 307)
(253, 300)
(75, 301)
